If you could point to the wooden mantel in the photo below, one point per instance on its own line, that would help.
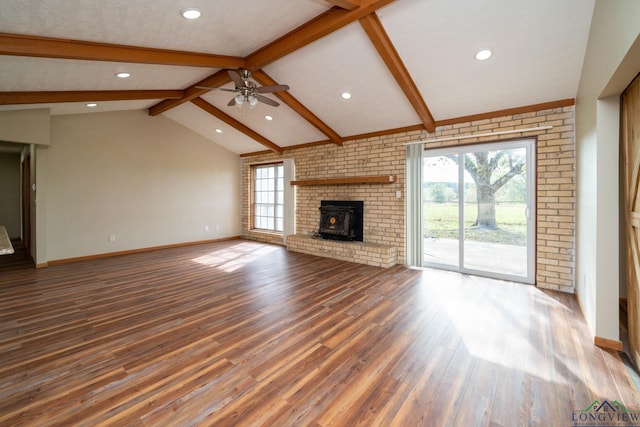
(380, 179)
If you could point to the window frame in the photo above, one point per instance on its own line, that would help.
(252, 199)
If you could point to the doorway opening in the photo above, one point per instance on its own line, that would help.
(479, 209)
(16, 211)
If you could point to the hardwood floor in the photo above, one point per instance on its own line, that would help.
(19, 260)
(242, 333)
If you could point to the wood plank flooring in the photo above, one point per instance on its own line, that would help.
(241, 333)
(19, 260)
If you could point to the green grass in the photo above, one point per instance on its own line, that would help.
(441, 221)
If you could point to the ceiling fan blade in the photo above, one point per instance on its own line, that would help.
(232, 102)
(236, 77)
(267, 101)
(272, 88)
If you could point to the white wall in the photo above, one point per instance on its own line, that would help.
(26, 126)
(146, 180)
(612, 40)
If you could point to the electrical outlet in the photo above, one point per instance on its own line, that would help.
(112, 237)
(217, 227)
(206, 228)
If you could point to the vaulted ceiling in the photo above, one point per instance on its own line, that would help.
(408, 64)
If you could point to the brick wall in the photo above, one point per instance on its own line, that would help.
(385, 214)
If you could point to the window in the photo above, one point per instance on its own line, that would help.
(268, 197)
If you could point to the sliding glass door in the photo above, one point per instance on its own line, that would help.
(478, 209)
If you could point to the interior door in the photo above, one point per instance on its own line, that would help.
(631, 162)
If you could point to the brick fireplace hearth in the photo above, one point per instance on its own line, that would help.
(373, 254)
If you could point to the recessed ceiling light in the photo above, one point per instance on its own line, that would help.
(123, 75)
(218, 130)
(268, 118)
(345, 95)
(91, 104)
(483, 55)
(191, 13)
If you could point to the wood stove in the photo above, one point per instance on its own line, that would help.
(341, 220)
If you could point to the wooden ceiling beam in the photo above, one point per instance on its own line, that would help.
(322, 25)
(47, 47)
(218, 79)
(236, 124)
(378, 36)
(508, 112)
(15, 98)
(346, 4)
(265, 80)
(326, 23)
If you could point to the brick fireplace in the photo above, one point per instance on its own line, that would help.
(383, 218)
(340, 236)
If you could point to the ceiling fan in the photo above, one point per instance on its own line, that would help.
(247, 90)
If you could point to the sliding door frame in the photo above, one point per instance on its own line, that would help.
(529, 144)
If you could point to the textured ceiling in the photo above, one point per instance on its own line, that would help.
(538, 53)
(157, 23)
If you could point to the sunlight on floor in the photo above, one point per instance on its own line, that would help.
(504, 332)
(232, 258)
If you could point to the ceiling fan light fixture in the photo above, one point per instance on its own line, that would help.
(483, 54)
(239, 100)
(253, 101)
(191, 13)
